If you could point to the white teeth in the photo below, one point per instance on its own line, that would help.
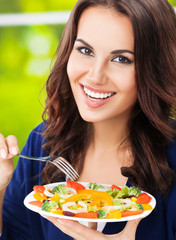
(97, 95)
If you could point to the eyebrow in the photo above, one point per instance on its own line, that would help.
(113, 52)
(85, 43)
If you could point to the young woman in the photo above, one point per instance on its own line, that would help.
(110, 113)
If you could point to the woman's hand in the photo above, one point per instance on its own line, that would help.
(80, 232)
(8, 148)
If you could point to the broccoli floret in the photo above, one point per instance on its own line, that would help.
(133, 191)
(113, 192)
(139, 207)
(101, 213)
(48, 205)
(60, 190)
(94, 186)
(124, 192)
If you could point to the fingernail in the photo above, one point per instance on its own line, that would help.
(3, 153)
(14, 151)
(60, 221)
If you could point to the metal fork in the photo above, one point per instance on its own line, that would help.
(59, 162)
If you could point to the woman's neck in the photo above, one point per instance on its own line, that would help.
(109, 135)
(109, 150)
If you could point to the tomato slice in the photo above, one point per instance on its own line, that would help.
(75, 185)
(39, 188)
(115, 187)
(143, 198)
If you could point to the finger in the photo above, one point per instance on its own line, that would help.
(66, 227)
(130, 229)
(12, 144)
(3, 147)
(92, 225)
(76, 230)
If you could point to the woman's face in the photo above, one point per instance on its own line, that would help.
(101, 66)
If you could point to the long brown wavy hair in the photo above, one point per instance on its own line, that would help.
(151, 126)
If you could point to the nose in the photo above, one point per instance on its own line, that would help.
(96, 73)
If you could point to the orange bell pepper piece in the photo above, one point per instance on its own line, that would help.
(95, 202)
(91, 195)
(98, 195)
(39, 196)
(76, 197)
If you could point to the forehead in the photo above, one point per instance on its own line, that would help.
(106, 25)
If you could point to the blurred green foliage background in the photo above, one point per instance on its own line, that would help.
(26, 54)
(173, 2)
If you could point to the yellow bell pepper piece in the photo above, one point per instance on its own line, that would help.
(133, 199)
(39, 196)
(55, 211)
(114, 214)
(55, 197)
(147, 207)
(91, 195)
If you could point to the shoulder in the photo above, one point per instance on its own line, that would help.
(171, 154)
(37, 131)
(33, 146)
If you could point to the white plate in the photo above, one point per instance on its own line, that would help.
(30, 198)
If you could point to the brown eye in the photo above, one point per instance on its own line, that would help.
(85, 51)
(121, 59)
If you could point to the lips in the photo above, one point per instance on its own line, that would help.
(96, 98)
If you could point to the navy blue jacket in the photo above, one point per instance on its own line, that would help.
(20, 223)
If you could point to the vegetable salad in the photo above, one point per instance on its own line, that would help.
(92, 200)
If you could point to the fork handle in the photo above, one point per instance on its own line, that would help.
(43, 159)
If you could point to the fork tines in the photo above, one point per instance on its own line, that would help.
(66, 167)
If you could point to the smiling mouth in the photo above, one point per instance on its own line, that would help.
(97, 96)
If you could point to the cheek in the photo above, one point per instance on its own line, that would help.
(129, 86)
(75, 68)
(127, 82)
(70, 68)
